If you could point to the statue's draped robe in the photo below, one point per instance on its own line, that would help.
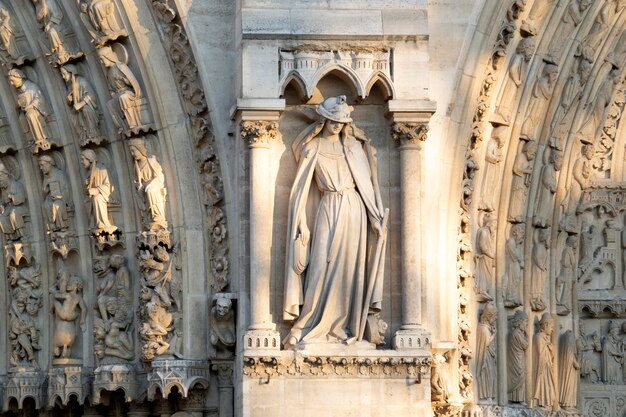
(545, 385)
(485, 361)
(99, 180)
(516, 365)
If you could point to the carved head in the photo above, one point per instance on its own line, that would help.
(67, 71)
(46, 163)
(544, 236)
(614, 328)
(5, 176)
(550, 71)
(335, 109)
(518, 232)
(530, 149)
(546, 324)
(137, 148)
(519, 320)
(33, 304)
(223, 306)
(584, 5)
(107, 55)
(489, 314)
(75, 284)
(117, 261)
(556, 159)
(526, 47)
(87, 157)
(587, 151)
(584, 69)
(572, 241)
(16, 77)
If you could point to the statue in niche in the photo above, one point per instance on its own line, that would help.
(590, 240)
(514, 254)
(439, 391)
(522, 171)
(539, 270)
(486, 353)
(101, 20)
(566, 276)
(581, 173)
(493, 158)
(568, 371)
(82, 98)
(542, 91)
(155, 330)
(587, 345)
(547, 188)
(50, 17)
(601, 25)
(597, 107)
(485, 258)
(31, 101)
(68, 306)
(12, 205)
(340, 160)
(612, 355)
(536, 14)
(56, 191)
(9, 33)
(113, 338)
(23, 333)
(99, 190)
(125, 107)
(544, 392)
(223, 333)
(516, 358)
(156, 275)
(517, 75)
(150, 185)
(571, 18)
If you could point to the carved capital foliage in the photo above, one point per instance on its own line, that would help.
(409, 133)
(259, 132)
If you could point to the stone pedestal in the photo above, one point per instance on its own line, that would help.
(114, 377)
(65, 381)
(24, 382)
(182, 374)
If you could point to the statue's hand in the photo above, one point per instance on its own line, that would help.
(304, 233)
(378, 228)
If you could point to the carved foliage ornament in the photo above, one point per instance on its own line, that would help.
(259, 132)
(409, 133)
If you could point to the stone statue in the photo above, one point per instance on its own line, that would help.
(23, 333)
(581, 174)
(439, 391)
(542, 92)
(537, 12)
(593, 124)
(517, 75)
(522, 171)
(102, 20)
(486, 353)
(155, 330)
(588, 243)
(150, 185)
(514, 254)
(612, 355)
(82, 98)
(566, 276)
(33, 104)
(516, 358)
(13, 205)
(485, 258)
(568, 371)
(56, 194)
(493, 158)
(539, 269)
(223, 332)
(9, 31)
(544, 392)
(570, 19)
(587, 345)
(68, 306)
(343, 163)
(547, 188)
(125, 106)
(601, 25)
(99, 190)
(50, 17)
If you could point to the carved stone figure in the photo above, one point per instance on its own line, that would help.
(125, 90)
(612, 355)
(485, 258)
(589, 241)
(587, 345)
(340, 291)
(493, 158)
(155, 330)
(150, 185)
(33, 104)
(223, 333)
(514, 254)
(68, 306)
(542, 92)
(13, 205)
(50, 17)
(544, 392)
(566, 276)
(98, 191)
(10, 31)
(517, 75)
(102, 20)
(82, 98)
(23, 332)
(537, 12)
(568, 371)
(439, 391)
(516, 357)
(522, 171)
(601, 25)
(547, 188)
(486, 353)
(581, 174)
(571, 18)
(539, 269)
(56, 194)
(592, 125)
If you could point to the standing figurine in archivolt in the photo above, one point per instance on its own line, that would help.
(99, 191)
(334, 270)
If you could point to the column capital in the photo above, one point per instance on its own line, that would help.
(407, 133)
(259, 132)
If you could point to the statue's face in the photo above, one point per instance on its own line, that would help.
(222, 308)
(134, 152)
(65, 74)
(85, 161)
(45, 167)
(16, 82)
(333, 127)
(4, 180)
(32, 306)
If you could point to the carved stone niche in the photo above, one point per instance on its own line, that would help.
(182, 374)
(58, 39)
(14, 48)
(68, 381)
(23, 383)
(113, 377)
(102, 20)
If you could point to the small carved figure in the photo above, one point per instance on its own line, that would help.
(486, 353)
(23, 333)
(542, 92)
(544, 354)
(547, 188)
(101, 19)
(597, 107)
(150, 185)
(522, 171)
(493, 158)
(581, 174)
(539, 269)
(570, 19)
(439, 391)
(599, 29)
(536, 14)
(516, 358)
(9, 32)
(154, 331)
(568, 371)
(98, 191)
(587, 345)
(113, 338)
(223, 332)
(31, 101)
(56, 194)
(82, 98)
(50, 17)
(514, 254)
(68, 306)
(588, 243)
(485, 258)
(13, 205)
(612, 355)
(566, 276)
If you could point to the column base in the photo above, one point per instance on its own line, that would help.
(412, 339)
(261, 343)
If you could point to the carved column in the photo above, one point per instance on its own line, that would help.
(225, 388)
(410, 129)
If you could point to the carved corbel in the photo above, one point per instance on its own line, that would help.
(407, 133)
(259, 132)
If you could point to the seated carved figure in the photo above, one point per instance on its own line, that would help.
(100, 17)
(50, 16)
(223, 332)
